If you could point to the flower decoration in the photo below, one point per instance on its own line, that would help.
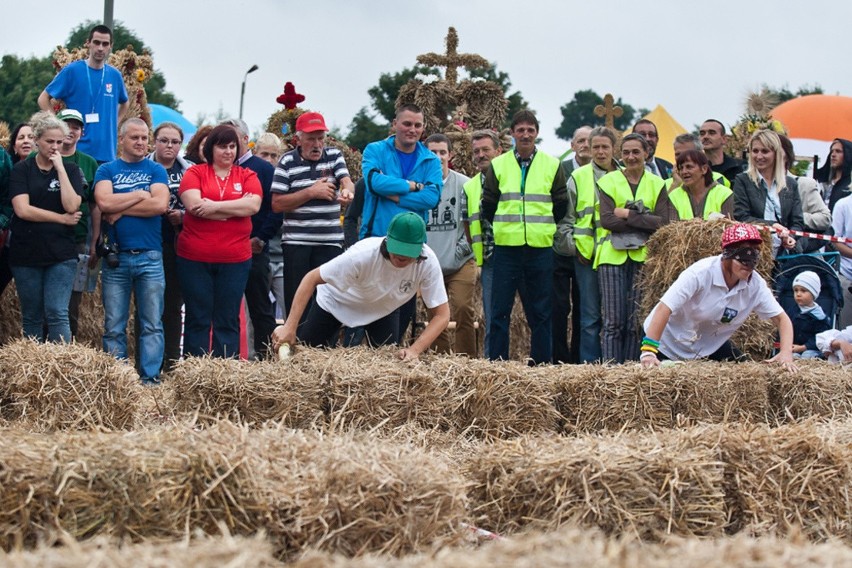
(140, 75)
(290, 98)
(757, 117)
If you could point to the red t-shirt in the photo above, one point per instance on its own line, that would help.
(208, 240)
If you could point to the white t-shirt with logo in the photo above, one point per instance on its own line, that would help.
(705, 313)
(362, 286)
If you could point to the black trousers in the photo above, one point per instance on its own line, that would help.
(321, 329)
(259, 305)
(727, 352)
(565, 295)
(298, 261)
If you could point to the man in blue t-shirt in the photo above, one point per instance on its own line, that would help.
(132, 193)
(97, 91)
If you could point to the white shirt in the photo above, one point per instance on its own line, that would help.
(841, 222)
(705, 313)
(362, 286)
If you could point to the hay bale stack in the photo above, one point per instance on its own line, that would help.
(573, 547)
(497, 400)
(347, 494)
(643, 485)
(51, 387)
(819, 389)
(678, 245)
(786, 480)
(247, 392)
(596, 398)
(368, 388)
(106, 553)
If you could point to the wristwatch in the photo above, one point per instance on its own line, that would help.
(418, 186)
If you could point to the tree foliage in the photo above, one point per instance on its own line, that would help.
(23, 81)
(364, 129)
(580, 111)
(784, 93)
(155, 87)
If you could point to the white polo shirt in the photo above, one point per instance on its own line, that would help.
(705, 313)
(362, 286)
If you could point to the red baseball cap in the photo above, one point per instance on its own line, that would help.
(310, 122)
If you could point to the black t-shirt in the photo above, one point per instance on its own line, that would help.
(35, 243)
(175, 175)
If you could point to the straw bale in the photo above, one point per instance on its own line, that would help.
(573, 547)
(819, 389)
(497, 400)
(66, 386)
(785, 480)
(251, 392)
(234, 552)
(371, 388)
(676, 246)
(645, 485)
(347, 494)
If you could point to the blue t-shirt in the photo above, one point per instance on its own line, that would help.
(406, 162)
(142, 233)
(92, 91)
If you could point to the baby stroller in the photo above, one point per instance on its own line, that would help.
(830, 297)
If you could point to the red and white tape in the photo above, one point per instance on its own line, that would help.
(818, 236)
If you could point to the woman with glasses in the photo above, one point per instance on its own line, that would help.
(168, 139)
(710, 300)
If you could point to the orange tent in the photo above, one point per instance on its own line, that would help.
(816, 117)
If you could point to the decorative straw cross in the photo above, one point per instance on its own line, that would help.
(609, 111)
(452, 60)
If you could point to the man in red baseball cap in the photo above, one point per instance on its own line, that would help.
(710, 300)
(310, 185)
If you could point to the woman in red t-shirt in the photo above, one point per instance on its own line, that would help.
(214, 251)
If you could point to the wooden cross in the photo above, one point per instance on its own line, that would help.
(452, 60)
(609, 111)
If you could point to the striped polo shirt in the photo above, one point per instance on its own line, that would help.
(315, 222)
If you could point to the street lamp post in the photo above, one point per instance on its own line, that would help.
(252, 69)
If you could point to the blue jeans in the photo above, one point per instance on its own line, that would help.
(586, 279)
(143, 275)
(529, 271)
(45, 292)
(212, 292)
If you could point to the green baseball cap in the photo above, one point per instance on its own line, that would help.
(406, 235)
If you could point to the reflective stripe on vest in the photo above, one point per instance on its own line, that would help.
(524, 214)
(588, 211)
(616, 186)
(716, 197)
(473, 191)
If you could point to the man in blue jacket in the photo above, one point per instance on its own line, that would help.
(401, 175)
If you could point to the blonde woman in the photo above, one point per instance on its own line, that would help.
(765, 195)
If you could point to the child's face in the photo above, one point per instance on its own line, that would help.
(802, 296)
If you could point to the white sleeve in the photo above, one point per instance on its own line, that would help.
(682, 291)
(342, 271)
(432, 288)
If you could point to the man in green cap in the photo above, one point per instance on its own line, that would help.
(366, 285)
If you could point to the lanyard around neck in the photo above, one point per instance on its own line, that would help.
(92, 97)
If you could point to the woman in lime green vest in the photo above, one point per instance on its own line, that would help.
(699, 195)
(633, 204)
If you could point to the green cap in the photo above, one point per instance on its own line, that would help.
(406, 235)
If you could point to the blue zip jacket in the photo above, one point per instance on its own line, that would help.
(383, 177)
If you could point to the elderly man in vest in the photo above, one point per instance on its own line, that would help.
(523, 197)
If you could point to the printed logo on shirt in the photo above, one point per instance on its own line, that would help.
(238, 187)
(442, 217)
(54, 185)
(728, 315)
(109, 88)
(406, 286)
(133, 181)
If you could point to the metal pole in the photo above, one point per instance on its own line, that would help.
(108, 20)
(252, 69)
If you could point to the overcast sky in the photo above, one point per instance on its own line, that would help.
(697, 59)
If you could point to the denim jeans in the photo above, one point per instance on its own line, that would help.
(586, 279)
(141, 274)
(529, 271)
(487, 280)
(212, 293)
(44, 292)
